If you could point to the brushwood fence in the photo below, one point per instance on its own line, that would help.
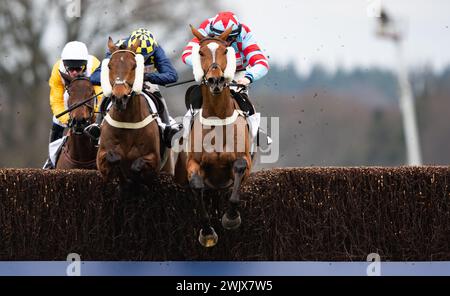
(327, 214)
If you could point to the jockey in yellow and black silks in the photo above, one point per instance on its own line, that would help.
(158, 71)
(75, 61)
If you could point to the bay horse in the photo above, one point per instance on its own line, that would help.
(129, 145)
(214, 65)
(79, 151)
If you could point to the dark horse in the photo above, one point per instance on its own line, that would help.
(79, 151)
(221, 124)
(130, 141)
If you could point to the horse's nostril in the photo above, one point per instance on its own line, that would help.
(79, 121)
(222, 79)
(211, 80)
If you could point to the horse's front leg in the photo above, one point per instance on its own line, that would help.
(145, 168)
(108, 163)
(180, 171)
(232, 219)
(207, 236)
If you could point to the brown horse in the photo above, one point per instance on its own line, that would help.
(79, 151)
(221, 124)
(130, 141)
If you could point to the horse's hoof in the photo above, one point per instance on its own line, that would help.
(112, 157)
(231, 224)
(138, 165)
(209, 240)
(143, 189)
(196, 182)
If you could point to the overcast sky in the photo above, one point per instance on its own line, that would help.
(340, 33)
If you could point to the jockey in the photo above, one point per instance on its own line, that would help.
(158, 71)
(251, 62)
(75, 61)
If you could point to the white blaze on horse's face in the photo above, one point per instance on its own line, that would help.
(213, 46)
(197, 68)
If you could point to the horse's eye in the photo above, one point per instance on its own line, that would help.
(200, 53)
(226, 50)
(134, 67)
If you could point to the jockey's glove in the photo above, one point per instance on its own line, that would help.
(244, 81)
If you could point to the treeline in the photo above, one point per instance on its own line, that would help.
(339, 118)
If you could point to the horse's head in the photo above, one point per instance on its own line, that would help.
(213, 61)
(122, 74)
(79, 89)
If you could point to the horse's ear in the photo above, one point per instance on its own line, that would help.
(66, 77)
(136, 45)
(111, 46)
(197, 33)
(225, 34)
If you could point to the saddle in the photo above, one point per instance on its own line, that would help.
(193, 99)
(155, 97)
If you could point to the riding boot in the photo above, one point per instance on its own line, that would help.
(93, 130)
(169, 129)
(244, 103)
(56, 133)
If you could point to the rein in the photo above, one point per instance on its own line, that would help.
(85, 102)
(73, 107)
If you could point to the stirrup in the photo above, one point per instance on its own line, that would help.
(169, 132)
(48, 165)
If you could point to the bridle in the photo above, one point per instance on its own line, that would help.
(228, 73)
(136, 89)
(214, 64)
(77, 127)
(118, 81)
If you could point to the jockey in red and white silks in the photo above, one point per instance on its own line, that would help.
(249, 57)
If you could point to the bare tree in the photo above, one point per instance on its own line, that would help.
(33, 33)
